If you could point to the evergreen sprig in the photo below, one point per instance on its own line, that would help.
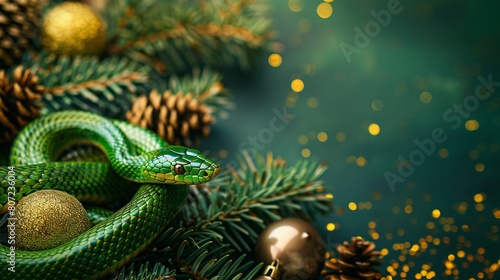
(174, 36)
(262, 190)
(206, 86)
(106, 86)
(144, 272)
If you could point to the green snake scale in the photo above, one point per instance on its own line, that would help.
(162, 172)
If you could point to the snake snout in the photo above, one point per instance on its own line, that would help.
(216, 171)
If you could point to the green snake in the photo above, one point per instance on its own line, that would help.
(134, 154)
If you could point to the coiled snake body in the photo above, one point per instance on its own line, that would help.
(140, 156)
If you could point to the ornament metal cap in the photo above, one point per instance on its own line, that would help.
(272, 270)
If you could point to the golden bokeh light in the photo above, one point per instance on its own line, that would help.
(297, 85)
(322, 136)
(312, 102)
(361, 161)
(275, 60)
(436, 213)
(377, 105)
(303, 139)
(296, 5)
(443, 153)
(479, 167)
(472, 125)
(305, 153)
(374, 129)
(330, 226)
(340, 136)
(479, 197)
(425, 97)
(324, 10)
(352, 206)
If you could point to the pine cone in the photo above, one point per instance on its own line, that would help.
(179, 119)
(19, 25)
(18, 102)
(355, 262)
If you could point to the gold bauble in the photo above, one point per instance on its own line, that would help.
(48, 218)
(73, 28)
(296, 244)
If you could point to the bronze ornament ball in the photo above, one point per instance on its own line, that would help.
(72, 28)
(297, 245)
(48, 218)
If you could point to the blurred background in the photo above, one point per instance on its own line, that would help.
(360, 94)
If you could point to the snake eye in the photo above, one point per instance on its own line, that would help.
(179, 169)
(204, 173)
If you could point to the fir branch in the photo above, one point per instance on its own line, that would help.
(106, 87)
(206, 86)
(196, 255)
(179, 35)
(144, 272)
(262, 190)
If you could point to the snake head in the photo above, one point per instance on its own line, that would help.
(179, 165)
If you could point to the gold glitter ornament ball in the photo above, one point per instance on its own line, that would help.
(48, 218)
(73, 28)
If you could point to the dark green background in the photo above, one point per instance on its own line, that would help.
(435, 46)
